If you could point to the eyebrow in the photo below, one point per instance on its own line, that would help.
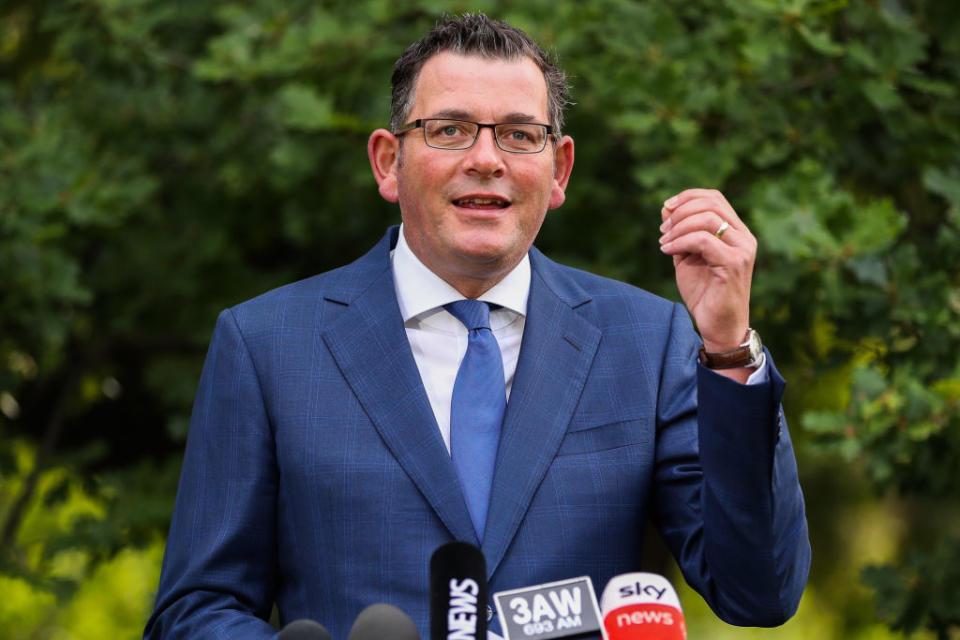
(458, 114)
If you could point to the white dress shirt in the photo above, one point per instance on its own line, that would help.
(439, 340)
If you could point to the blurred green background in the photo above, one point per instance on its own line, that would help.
(163, 159)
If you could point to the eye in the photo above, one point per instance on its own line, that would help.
(451, 129)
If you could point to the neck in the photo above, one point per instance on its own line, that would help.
(470, 279)
(473, 286)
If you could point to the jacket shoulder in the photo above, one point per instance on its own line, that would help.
(308, 299)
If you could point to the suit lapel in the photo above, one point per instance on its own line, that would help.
(555, 356)
(370, 346)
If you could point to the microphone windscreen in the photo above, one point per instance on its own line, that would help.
(383, 622)
(304, 630)
(458, 592)
(642, 605)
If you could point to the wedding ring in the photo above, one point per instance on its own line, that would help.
(723, 227)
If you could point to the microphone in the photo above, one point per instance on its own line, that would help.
(383, 622)
(642, 605)
(458, 593)
(304, 630)
(563, 609)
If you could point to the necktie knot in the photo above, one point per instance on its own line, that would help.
(474, 314)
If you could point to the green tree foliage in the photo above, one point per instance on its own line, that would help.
(59, 584)
(162, 160)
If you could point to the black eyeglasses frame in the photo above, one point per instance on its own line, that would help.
(418, 123)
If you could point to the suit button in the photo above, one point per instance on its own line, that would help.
(489, 613)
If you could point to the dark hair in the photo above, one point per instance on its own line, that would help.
(474, 34)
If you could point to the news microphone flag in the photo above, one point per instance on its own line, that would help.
(643, 606)
(563, 609)
(458, 593)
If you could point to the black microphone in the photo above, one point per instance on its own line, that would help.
(383, 622)
(458, 593)
(304, 630)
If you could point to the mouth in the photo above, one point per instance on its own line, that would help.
(477, 202)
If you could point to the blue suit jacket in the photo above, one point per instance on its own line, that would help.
(315, 475)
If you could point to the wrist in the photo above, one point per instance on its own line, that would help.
(727, 340)
(745, 354)
(722, 347)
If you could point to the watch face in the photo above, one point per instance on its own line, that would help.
(754, 345)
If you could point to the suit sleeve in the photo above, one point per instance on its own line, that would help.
(727, 496)
(218, 572)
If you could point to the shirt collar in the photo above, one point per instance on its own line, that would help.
(420, 290)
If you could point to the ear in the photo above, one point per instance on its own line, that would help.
(562, 166)
(383, 150)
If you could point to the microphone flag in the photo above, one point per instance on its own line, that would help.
(563, 609)
(458, 593)
(642, 605)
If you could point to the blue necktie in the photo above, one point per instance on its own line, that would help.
(476, 413)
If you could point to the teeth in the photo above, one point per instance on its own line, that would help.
(481, 201)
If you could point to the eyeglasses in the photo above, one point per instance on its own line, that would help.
(515, 137)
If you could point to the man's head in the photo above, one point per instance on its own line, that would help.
(475, 35)
(471, 212)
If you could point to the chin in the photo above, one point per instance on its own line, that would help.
(484, 250)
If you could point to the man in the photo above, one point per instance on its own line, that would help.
(327, 458)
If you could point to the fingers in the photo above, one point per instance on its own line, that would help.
(693, 201)
(712, 249)
(692, 220)
(709, 222)
(687, 195)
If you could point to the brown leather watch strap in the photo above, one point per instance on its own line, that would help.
(743, 356)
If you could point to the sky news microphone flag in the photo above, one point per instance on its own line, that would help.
(642, 606)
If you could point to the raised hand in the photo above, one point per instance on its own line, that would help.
(713, 253)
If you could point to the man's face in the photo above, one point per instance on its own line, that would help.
(470, 215)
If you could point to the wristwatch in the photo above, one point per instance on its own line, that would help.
(746, 355)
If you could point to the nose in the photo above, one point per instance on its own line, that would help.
(485, 158)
